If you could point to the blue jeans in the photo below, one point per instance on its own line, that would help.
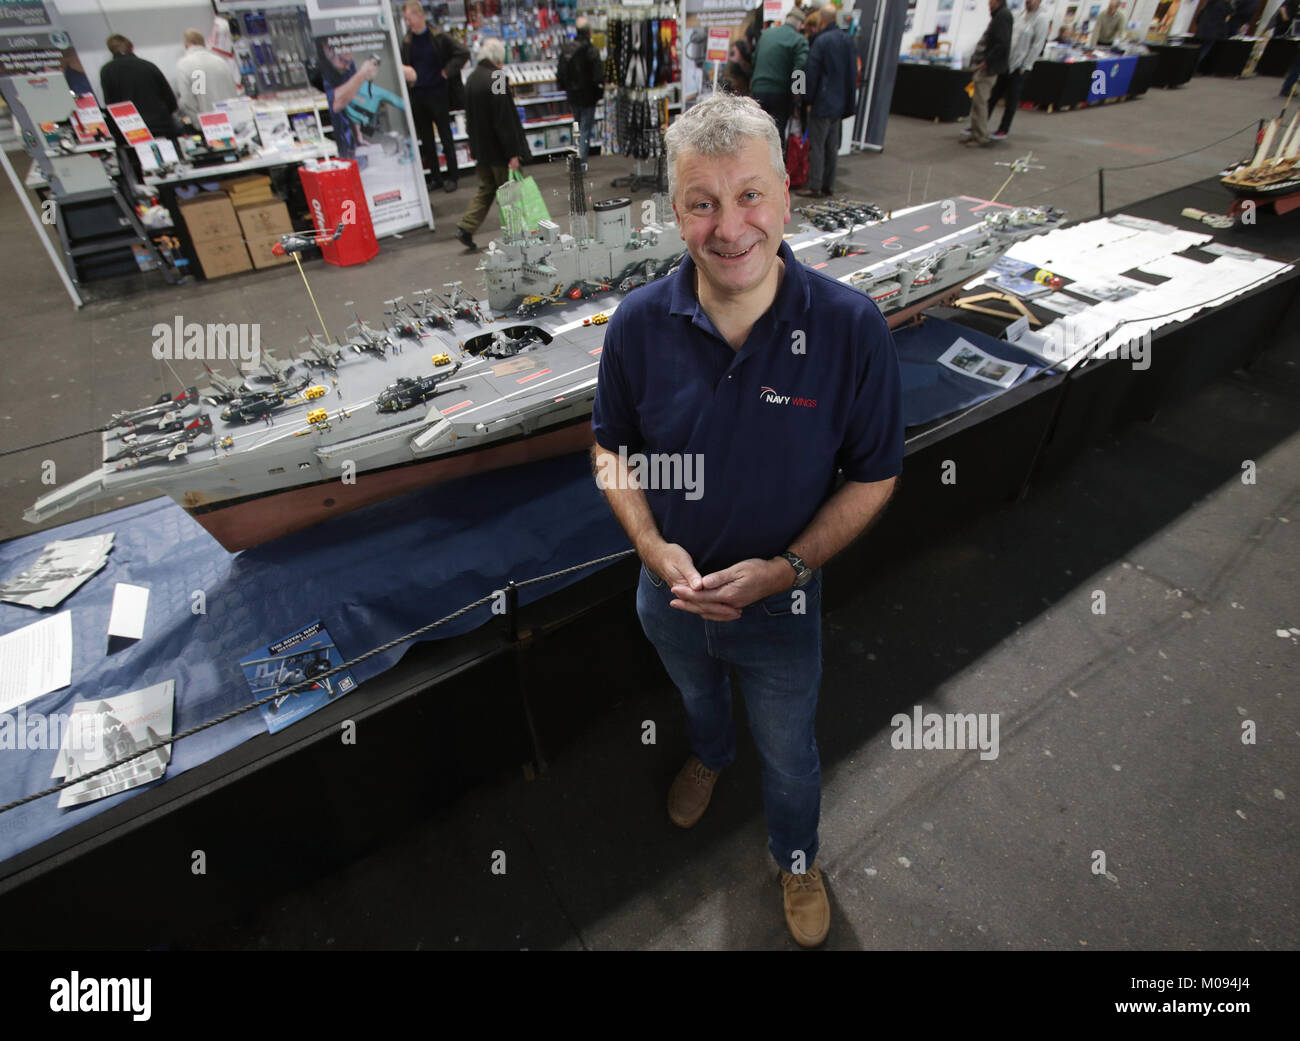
(586, 118)
(777, 655)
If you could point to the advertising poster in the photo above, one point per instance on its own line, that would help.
(293, 669)
(702, 41)
(361, 77)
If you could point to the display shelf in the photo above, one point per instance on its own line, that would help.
(324, 150)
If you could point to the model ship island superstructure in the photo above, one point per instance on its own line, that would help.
(603, 252)
(1274, 169)
(445, 389)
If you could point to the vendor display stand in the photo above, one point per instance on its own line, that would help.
(926, 91)
(1061, 86)
(1279, 54)
(1175, 64)
(1227, 57)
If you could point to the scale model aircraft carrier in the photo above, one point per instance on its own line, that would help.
(447, 390)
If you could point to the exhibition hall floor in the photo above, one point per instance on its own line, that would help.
(1144, 788)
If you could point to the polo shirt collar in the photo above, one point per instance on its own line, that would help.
(792, 300)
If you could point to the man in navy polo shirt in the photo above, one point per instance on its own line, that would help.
(729, 396)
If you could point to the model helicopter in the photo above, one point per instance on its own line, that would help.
(247, 409)
(169, 447)
(409, 391)
(296, 242)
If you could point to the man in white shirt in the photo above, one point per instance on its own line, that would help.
(1028, 37)
(202, 78)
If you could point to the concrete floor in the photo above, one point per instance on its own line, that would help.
(1119, 733)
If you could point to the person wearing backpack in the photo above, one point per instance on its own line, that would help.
(580, 74)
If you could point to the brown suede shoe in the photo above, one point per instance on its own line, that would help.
(807, 909)
(689, 796)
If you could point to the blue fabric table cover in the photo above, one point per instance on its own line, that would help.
(370, 576)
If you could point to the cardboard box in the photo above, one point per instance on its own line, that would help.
(209, 216)
(263, 223)
(249, 189)
(220, 257)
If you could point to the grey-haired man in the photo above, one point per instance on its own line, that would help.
(770, 378)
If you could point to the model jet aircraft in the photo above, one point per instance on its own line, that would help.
(165, 403)
(169, 447)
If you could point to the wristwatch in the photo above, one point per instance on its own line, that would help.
(802, 572)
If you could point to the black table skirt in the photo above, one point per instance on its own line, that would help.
(1227, 57)
(1277, 57)
(1058, 84)
(1144, 75)
(930, 92)
(1175, 64)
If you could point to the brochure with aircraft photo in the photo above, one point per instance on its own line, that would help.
(300, 660)
(969, 360)
(101, 732)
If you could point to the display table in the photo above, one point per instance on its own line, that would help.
(1175, 64)
(1061, 86)
(324, 150)
(935, 92)
(1279, 54)
(1227, 57)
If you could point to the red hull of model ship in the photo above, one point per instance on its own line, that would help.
(251, 522)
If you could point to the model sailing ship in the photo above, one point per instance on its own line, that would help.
(1272, 170)
(446, 389)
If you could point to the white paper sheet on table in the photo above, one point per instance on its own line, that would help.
(35, 660)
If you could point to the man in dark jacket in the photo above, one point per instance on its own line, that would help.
(583, 80)
(1211, 25)
(988, 63)
(496, 137)
(832, 97)
(431, 63)
(782, 51)
(128, 78)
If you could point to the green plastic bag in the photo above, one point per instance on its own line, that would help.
(521, 205)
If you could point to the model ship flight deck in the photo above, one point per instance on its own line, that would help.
(446, 388)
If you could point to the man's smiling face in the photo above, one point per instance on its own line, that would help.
(732, 211)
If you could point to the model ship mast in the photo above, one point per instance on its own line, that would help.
(1272, 169)
(579, 221)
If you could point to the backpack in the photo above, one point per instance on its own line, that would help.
(567, 70)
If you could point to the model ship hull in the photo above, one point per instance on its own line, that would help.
(1273, 170)
(1262, 184)
(244, 523)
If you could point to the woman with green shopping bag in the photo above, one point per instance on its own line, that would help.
(496, 137)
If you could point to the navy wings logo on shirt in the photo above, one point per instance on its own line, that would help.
(771, 397)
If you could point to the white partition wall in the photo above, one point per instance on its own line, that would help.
(154, 26)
